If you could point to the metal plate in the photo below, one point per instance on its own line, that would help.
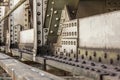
(100, 31)
(53, 18)
(2, 12)
(27, 36)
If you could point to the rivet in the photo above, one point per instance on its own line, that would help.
(53, 2)
(61, 25)
(55, 25)
(39, 32)
(38, 13)
(51, 9)
(48, 15)
(38, 4)
(39, 41)
(46, 30)
(55, 12)
(73, 11)
(57, 19)
(51, 32)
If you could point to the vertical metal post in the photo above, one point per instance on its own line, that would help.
(13, 74)
(35, 28)
(11, 23)
(77, 40)
(44, 65)
(13, 9)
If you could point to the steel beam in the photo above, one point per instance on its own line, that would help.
(12, 10)
(20, 71)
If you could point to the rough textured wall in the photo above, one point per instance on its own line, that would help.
(100, 31)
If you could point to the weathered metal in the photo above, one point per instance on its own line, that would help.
(100, 31)
(12, 10)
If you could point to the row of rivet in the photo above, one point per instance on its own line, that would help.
(41, 7)
(11, 23)
(1, 27)
(26, 4)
